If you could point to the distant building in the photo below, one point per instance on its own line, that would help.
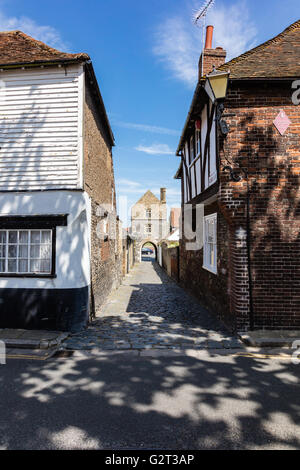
(149, 220)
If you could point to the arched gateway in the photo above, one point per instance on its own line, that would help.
(151, 244)
(149, 222)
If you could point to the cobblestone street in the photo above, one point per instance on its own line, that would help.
(150, 311)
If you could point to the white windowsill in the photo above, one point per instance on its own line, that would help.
(211, 270)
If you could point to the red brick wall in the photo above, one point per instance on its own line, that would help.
(212, 57)
(273, 164)
(212, 290)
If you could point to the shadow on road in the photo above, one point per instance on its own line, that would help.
(123, 401)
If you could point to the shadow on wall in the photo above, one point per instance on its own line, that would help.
(275, 213)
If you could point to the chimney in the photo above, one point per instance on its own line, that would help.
(163, 199)
(212, 57)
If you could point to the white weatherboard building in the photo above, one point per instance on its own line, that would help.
(45, 204)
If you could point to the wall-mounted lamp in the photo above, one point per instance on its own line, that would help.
(216, 85)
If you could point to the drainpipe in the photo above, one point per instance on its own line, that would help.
(251, 310)
(235, 177)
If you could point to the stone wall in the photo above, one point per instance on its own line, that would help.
(106, 247)
(170, 260)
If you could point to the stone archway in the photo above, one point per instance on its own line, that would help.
(140, 244)
(150, 242)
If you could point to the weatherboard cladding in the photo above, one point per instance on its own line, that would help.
(40, 129)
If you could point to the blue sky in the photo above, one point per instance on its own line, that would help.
(145, 54)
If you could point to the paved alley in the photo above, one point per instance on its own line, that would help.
(150, 311)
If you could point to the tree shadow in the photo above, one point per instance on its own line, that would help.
(127, 402)
(270, 161)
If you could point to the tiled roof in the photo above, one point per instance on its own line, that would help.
(148, 198)
(18, 48)
(277, 58)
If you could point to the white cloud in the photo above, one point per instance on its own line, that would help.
(46, 34)
(155, 149)
(125, 182)
(178, 43)
(146, 128)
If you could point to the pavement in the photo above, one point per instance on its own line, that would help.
(151, 312)
(35, 344)
(270, 338)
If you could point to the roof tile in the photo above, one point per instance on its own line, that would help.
(17, 47)
(277, 58)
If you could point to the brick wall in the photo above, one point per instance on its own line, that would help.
(212, 290)
(212, 58)
(273, 164)
(106, 256)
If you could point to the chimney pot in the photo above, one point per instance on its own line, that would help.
(209, 37)
(163, 199)
(210, 57)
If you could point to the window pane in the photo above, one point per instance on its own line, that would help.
(12, 251)
(23, 266)
(35, 266)
(45, 266)
(2, 265)
(35, 251)
(46, 236)
(35, 237)
(23, 251)
(12, 237)
(23, 237)
(15, 251)
(12, 266)
(45, 252)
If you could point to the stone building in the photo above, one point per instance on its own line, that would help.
(59, 233)
(241, 161)
(149, 221)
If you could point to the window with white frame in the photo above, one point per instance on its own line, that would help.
(192, 150)
(26, 252)
(210, 243)
(148, 228)
(148, 213)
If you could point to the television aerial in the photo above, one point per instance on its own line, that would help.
(199, 19)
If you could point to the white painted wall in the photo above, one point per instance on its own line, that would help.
(174, 237)
(210, 177)
(73, 243)
(41, 128)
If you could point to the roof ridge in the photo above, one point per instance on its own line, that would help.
(264, 45)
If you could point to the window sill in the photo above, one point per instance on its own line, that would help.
(211, 270)
(28, 276)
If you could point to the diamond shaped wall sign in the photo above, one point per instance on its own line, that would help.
(282, 122)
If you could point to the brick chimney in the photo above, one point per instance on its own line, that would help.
(163, 199)
(212, 57)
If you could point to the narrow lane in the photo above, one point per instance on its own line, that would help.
(150, 311)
